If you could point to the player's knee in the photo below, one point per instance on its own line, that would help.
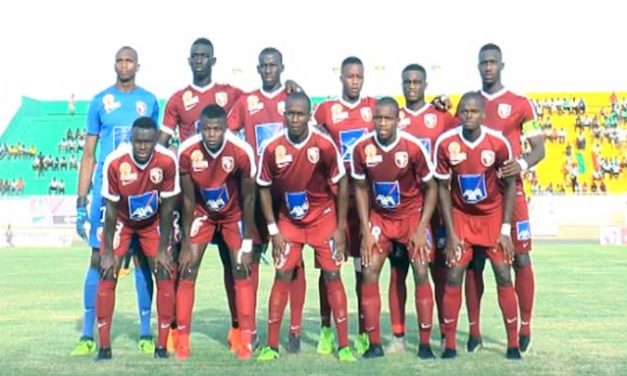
(190, 272)
(239, 272)
(421, 275)
(454, 276)
(370, 275)
(162, 274)
(108, 276)
(522, 260)
(329, 276)
(285, 275)
(502, 275)
(94, 261)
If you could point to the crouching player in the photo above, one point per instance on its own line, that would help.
(476, 214)
(394, 167)
(140, 183)
(218, 182)
(299, 167)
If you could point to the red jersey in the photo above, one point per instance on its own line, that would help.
(217, 176)
(260, 115)
(184, 106)
(137, 188)
(426, 124)
(346, 122)
(394, 173)
(472, 168)
(301, 175)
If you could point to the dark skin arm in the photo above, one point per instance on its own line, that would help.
(292, 86)
(166, 218)
(164, 138)
(189, 202)
(339, 235)
(367, 239)
(419, 239)
(453, 244)
(248, 201)
(513, 168)
(107, 261)
(509, 197)
(278, 242)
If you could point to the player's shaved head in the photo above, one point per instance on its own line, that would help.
(204, 42)
(415, 68)
(490, 47)
(388, 101)
(298, 96)
(271, 51)
(129, 50)
(472, 96)
(145, 122)
(351, 60)
(213, 111)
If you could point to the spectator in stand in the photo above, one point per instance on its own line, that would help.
(602, 187)
(20, 186)
(8, 234)
(566, 105)
(73, 163)
(581, 141)
(593, 187)
(62, 145)
(2, 187)
(61, 187)
(71, 106)
(581, 106)
(69, 135)
(52, 187)
(569, 150)
(63, 163)
(579, 122)
(561, 135)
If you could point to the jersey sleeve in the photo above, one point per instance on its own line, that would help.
(450, 121)
(110, 182)
(357, 164)
(171, 184)
(503, 151)
(423, 168)
(170, 117)
(247, 161)
(334, 162)
(264, 174)
(93, 118)
(442, 166)
(235, 119)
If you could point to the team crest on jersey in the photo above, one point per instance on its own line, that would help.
(189, 100)
(455, 153)
(313, 154)
(400, 159)
(504, 110)
(487, 158)
(222, 98)
(228, 164)
(109, 103)
(141, 108)
(430, 120)
(198, 161)
(127, 175)
(366, 113)
(280, 107)
(156, 175)
(281, 157)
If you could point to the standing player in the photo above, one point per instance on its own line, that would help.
(300, 166)
(140, 183)
(218, 181)
(111, 114)
(259, 115)
(514, 115)
(474, 207)
(346, 119)
(395, 168)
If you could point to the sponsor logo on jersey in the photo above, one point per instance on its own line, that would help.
(198, 161)
(487, 157)
(387, 194)
(222, 98)
(473, 188)
(348, 138)
(109, 103)
(523, 231)
(156, 175)
(297, 204)
(366, 113)
(127, 175)
(313, 154)
(431, 120)
(400, 159)
(504, 110)
(228, 163)
(216, 198)
(141, 107)
(143, 206)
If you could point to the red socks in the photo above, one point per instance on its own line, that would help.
(104, 311)
(278, 300)
(244, 300)
(452, 305)
(166, 300)
(509, 308)
(424, 308)
(371, 307)
(438, 273)
(474, 292)
(184, 305)
(397, 297)
(337, 299)
(525, 287)
(297, 299)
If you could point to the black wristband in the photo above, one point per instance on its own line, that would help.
(81, 201)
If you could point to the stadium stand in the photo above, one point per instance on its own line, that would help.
(38, 128)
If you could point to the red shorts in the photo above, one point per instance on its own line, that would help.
(316, 235)
(148, 238)
(477, 230)
(203, 229)
(386, 230)
(495, 254)
(521, 232)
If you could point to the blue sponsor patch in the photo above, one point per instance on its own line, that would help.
(426, 142)
(264, 132)
(473, 188)
(387, 194)
(121, 134)
(143, 206)
(297, 204)
(523, 231)
(216, 198)
(348, 139)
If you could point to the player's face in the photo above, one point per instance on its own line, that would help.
(212, 132)
(490, 66)
(143, 142)
(126, 65)
(472, 113)
(297, 117)
(352, 79)
(414, 85)
(270, 68)
(385, 122)
(201, 59)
